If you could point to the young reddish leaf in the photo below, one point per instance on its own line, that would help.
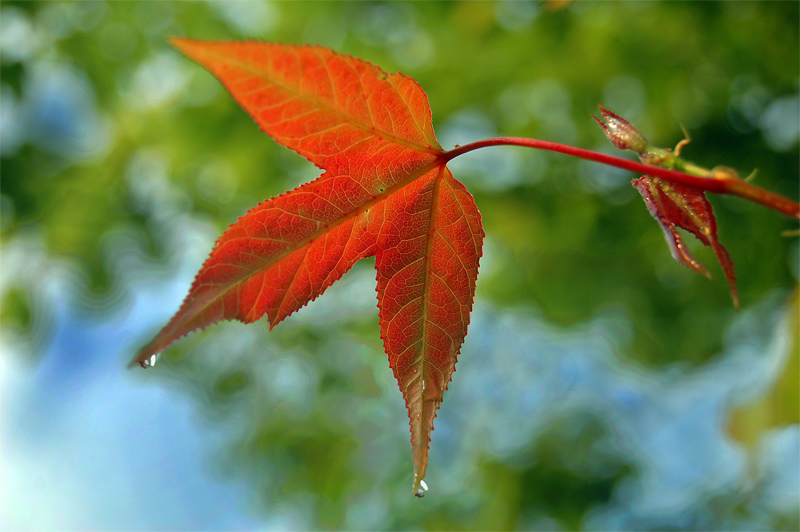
(386, 192)
(675, 205)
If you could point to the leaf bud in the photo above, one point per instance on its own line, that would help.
(621, 133)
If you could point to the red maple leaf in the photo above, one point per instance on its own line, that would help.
(386, 191)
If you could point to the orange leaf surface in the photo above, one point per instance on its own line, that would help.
(385, 192)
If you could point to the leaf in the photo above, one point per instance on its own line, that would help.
(676, 205)
(386, 191)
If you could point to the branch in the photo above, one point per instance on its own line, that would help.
(721, 183)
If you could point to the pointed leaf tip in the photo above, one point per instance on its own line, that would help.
(181, 43)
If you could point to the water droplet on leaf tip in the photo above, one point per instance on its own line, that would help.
(422, 489)
(148, 362)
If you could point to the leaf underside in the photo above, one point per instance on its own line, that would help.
(385, 192)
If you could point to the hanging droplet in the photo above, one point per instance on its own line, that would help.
(422, 489)
(149, 362)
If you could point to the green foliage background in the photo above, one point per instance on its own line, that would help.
(566, 240)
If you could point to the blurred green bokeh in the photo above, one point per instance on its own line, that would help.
(109, 136)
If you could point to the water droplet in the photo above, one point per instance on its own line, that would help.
(422, 489)
(423, 385)
(148, 362)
